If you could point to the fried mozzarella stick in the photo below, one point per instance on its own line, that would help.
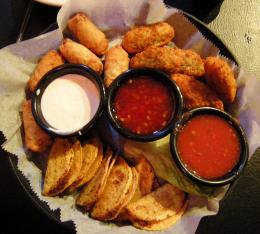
(74, 52)
(88, 34)
(116, 62)
(171, 60)
(35, 138)
(195, 93)
(49, 61)
(220, 78)
(141, 37)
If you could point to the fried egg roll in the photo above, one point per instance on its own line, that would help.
(74, 52)
(116, 62)
(88, 34)
(141, 37)
(49, 61)
(36, 139)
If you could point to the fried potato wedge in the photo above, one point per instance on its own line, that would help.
(141, 37)
(163, 224)
(74, 52)
(115, 192)
(220, 78)
(195, 93)
(58, 172)
(171, 60)
(163, 203)
(88, 34)
(49, 61)
(90, 152)
(36, 139)
(92, 191)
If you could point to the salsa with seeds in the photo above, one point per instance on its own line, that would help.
(143, 105)
(209, 146)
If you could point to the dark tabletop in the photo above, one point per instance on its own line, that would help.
(239, 211)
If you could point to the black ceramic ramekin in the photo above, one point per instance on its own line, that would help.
(135, 73)
(238, 168)
(55, 73)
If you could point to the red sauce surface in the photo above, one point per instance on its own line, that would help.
(209, 146)
(143, 105)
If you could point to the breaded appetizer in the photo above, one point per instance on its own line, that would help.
(88, 34)
(116, 62)
(195, 93)
(36, 139)
(141, 37)
(171, 60)
(77, 53)
(49, 61)
(220, 78)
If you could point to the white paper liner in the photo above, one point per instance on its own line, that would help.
(114, 17)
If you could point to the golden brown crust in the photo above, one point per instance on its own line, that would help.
(36, 139)
(49, 61)
(163, 203)
(171, 60)
(91, 153)
(74, 52)
(118, 183)
(163, 224)
(92, 191)
(220, 78)
(88, 34)
(141, 37)
(116, 62)
(195, 93)
(59, 165)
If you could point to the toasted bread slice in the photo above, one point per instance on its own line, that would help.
(163, 224)
(59, 165)
(164, 202)
(113, 197)
(92, 191)
(89, 155)
(36, 139)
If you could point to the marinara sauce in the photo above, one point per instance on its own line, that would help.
(209, 146)
(143, 105)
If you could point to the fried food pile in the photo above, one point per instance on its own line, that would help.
(107, 186)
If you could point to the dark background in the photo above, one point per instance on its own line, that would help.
(239, 211)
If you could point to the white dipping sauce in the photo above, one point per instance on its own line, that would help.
(70, 102)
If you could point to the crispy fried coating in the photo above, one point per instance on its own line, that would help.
(141, 37)
(220, 78)
(171, 60)
(195, 93)
(116, 62)
(88, 34)
(49, 61)
(77, 53)
(36, 139)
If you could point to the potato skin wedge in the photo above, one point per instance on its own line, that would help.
(141, 37)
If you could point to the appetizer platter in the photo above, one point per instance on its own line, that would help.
(88, 92)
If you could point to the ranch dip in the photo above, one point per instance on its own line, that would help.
(70, 102)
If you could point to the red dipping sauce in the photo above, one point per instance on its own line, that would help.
(143, 105)
(209, 146)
